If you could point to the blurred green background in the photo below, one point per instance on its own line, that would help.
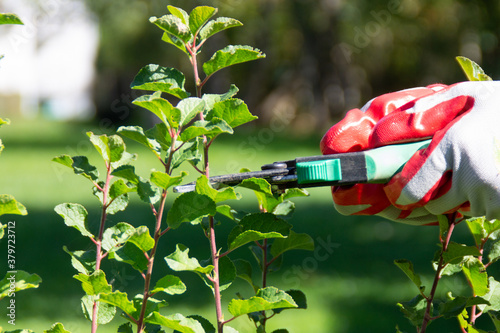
(323, 58)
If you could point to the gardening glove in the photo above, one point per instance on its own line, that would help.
(457, 172)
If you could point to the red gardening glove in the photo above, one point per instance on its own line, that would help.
(457, 172)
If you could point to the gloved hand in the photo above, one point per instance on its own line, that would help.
(458, 171)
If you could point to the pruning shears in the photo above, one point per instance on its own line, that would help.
(370, 166)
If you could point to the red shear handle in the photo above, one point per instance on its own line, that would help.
(459, 171)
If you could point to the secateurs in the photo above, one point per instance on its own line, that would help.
(370, 166)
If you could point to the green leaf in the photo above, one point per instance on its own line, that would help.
(212, 99)
(114, 237)
(80, 165)
(244, 271)
(171, 39)
(207, 325)
(180, 261)
(233, 111)
(258, 185)
(157, 78)
(257, 226)
(130, 254)
(407, 267)
(111, 148)
(190, 207)
(160, 134)
(125, 328)
(266, 299)
(9, 205)
(475, 272)
(227, 211)
(284, 208)
(148, 192)
(495, 318)
(472, 70)
(199, 16)
(120, 300)
(176, 322)
(162, 108)
(152, 304)
(74, 215)
(8, 18)
(180, 13)
(231, 55)
(165, 181)
(492, 296)
(414, 310)
(57, 328)
(494, 253)
(169, 284)
(20, 280)
(457, 251)
(142, 239)
(294, 241)
(211, 128)
(126, 172)
(227, 273)
(95, 283)
(118, 204)
(83, 261)
(203, 187)
(137, 134)
(476, 227)
(119, 187)
(456, 306)
(189, 108)
(105, 312)
(174, 26)
(189, 152)
(218, 25)
(299, 298)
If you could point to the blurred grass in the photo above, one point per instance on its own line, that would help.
(350, 280)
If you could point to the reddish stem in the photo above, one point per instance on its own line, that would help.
(98, 241)
(437, 277)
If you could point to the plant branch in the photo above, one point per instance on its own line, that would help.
(147, 278)
(441, 265)
(216, 281)
(98, 241)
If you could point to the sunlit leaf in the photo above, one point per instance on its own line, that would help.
(94, 283)
(115, 236)
(20, 280)
(190, 207)
(74, 215)
(165, 181)
(257, 226)
(174, 26)
(218, 25)
(266, 299)
(169, 284)
(57, 328)
(180, 261)
(8, 18)
(475, 273)
(472, 70)
(176, 322)
(157, 78)
(120, 300)
(161, 108)
(199, 16)
(233, 111)
(9, 205)
(231, 55)
(105, 312)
